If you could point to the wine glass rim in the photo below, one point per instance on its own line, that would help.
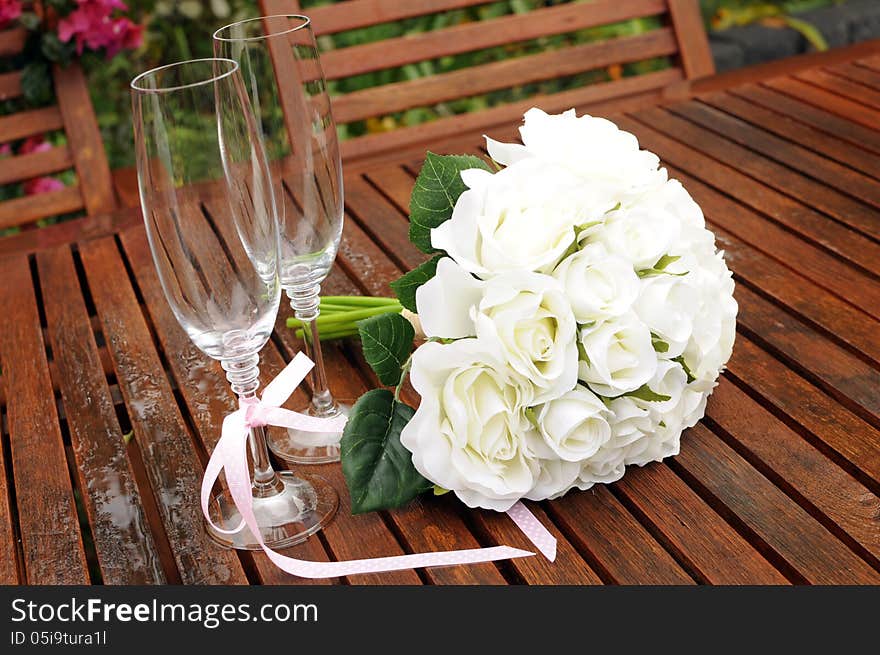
(167, 89)
(305, 22)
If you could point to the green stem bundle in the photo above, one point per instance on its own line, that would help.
(340, 315)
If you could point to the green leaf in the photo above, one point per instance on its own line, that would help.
(54, 49)
(378, 470)
(30, 21)
(683, 364)
(406, 286)
(387, 342)
(644, 393)
(660, 267)
(36, 83)
(437, 188)
(660, 346)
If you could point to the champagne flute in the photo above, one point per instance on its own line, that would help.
(212, 227)
(282, 73)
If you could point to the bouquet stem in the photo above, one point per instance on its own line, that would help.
(339, 315)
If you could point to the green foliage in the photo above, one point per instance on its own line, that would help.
(387, 343)
(378, 470)
(406, 285)
(437, 187)
(36, 83)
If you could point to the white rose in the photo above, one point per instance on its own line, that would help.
(575, 425)
(598, 285)
(667, 304)
(619, 356)
(521, 218)
(445, 302)
(714, 330)
(605, 467)
(525, 315)
(555, 477)
(470, 433)
(530, 318)
(641, 234)
(630, 421)
(594, 149)
(665, 440)
(669, 380)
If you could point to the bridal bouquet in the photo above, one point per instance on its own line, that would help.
(576, 316)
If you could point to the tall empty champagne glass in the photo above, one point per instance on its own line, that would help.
(213, 231)
(282, 72)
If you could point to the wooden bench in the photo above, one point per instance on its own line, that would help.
(83, 152)
(678, 38)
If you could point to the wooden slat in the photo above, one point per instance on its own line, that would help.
(858, 74)
(48, 522)
(714, 551)
(569, 568)
(696, 57)
(81, 129)
(616, 544)
(779, 67)
(851, 133)
(364, 147)
(123, 542)
(824, 197)
(428, 91)
(479, 35)
(785, 528)
(722, 170)
(77, 229)
(382, 221)
(839, 321)
(35, 164)
(172, 466)
(342, 16)
(27, 209)
(820, 418)
(9, 557)
(30, 122)
(796, 466)
(826, 100)
(871, 62)
(12, 41)
(799, 133)
(854, 383)
(841, 86)
(10, 85)
(394, 182)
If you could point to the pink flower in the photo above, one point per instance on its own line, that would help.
(5, 150)
(10, 10)
(34, 144)
(42, 185)
(93, 27)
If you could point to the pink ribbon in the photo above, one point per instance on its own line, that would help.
(230, 455)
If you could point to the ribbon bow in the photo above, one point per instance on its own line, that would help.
(230, 455)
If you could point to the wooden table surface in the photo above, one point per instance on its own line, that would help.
(108, 410)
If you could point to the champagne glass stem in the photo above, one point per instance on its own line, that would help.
(243, 376)
(305, 302)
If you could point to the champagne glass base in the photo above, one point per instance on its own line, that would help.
(305, 505)
(297, 447)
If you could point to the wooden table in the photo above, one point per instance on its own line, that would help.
(108, 411)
